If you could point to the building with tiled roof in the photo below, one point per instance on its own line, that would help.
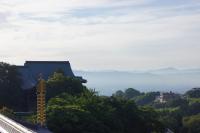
(31, 71)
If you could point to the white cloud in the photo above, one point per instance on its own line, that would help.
(145, 36)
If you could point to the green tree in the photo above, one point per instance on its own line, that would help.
(72, 119)
(89, 113)
(119, 94)
(131, 93)
(193, 93)
(171, 118)
(178, 102)
(58, 83)
(151, 120)
(192, 124)
(193, 108)
(147, 98)
(11, 94)
(74, 114)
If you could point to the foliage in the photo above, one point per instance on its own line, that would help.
(26, 117)
(89, 113)
(129, 93)
(151, 119)
(11, 94)
(192, 124)
(176, 112)
(171, 118)
(58, 83)
(193, 108)
(140, 98)
(147, 98)
(193, 100)
(119, 94)
(7, 112)
(177, 102)
(193, 93)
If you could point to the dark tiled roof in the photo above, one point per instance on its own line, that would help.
(32, 69)
(46, 62)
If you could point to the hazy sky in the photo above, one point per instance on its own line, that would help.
(102, 34)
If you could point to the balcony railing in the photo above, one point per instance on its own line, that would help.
(9, 126)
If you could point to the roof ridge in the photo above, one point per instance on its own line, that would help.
(46, 62)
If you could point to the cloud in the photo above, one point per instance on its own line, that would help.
(102, 34)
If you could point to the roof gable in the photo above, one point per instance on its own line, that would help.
(32, 69)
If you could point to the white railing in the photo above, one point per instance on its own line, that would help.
(9, 126)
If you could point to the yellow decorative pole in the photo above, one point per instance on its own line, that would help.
(41, 94)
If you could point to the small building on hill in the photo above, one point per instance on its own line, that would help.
(165, 97)
(32, 69)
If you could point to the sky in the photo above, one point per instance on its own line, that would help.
(102, 34)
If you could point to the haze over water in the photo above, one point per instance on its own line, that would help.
(164, 80)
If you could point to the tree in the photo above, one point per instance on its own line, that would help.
(194, 93)
(147, 98)
(58, 83)
(171, 118)
(192, 124)
(131, 93)
(119, 94)
(177, 102)
(11, 94)
(72, 119)
(193, 108)
(73, 114)
(151, 120)
(89, 113)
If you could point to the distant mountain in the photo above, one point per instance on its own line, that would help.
(166, 79)
(171, 70)
(165, 70)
